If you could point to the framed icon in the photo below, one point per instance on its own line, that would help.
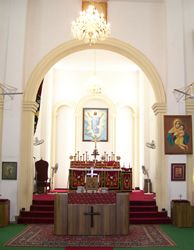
(178, 134)
(178, 171)
(9, 170)
(95, 124)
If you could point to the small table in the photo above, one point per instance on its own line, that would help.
(181, 213)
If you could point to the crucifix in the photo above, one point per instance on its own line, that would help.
(95, 152)
(92, 213)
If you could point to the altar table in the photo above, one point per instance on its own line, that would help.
(91, 214)
(113, 179)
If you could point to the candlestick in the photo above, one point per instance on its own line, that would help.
(83, 157)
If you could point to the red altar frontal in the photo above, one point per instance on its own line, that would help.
(110, 175)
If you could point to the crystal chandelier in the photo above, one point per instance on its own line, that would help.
(90, 26)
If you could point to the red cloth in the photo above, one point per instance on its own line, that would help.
(92, 198)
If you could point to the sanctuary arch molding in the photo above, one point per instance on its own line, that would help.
(38, 74)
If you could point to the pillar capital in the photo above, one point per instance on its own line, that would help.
(30, 106)
(189, 106)
(159, 108)
(1, 104)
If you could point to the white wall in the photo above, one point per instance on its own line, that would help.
(12, 20)
(162, 30)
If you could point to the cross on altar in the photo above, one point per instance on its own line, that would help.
(95, 152)
(91, 213)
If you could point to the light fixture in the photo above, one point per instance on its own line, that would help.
(151, 144)
(184, 92)
(37, 141)
(93, 83)
(90, 26)
(8, 90)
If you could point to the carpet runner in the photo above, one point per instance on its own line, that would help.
(41, 235)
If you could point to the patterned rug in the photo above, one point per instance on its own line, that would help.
(139, 236)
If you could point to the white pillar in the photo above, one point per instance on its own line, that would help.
(161, 178)
(26, 177)
(190, 159)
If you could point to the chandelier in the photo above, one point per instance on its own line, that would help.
(90, 26)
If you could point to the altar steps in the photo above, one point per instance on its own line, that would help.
(144, 211)
(41, 211)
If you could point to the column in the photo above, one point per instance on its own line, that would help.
(136, 162)
(26, 170)
(161, 178)
(1, 121)
(189, 105)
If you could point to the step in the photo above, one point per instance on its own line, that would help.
(32, 220)
(37, 213)
(43, 202)
(142, 208)
(150, 220)
(142, 203)
(147, 214)
(42, 207)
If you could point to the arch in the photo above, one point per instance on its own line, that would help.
(30, 106)
(110, 44)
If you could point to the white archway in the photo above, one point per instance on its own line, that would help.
(29, 105)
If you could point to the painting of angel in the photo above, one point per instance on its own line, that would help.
(95, 124)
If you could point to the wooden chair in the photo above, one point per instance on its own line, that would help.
(42, 180)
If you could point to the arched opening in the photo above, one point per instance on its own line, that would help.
(38, 74)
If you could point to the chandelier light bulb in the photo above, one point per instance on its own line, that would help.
(90, 26)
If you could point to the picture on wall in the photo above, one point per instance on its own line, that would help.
(9, 170)
(178, 171)
(178, 134)
(95, 124)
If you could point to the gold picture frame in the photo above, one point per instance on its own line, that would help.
(95, 124)
(9, 170)
(178, 134)
(178, 171)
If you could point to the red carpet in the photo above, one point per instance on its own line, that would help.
(88, 248)
(41, 235)
(139, 195)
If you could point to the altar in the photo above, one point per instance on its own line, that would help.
(110, 175)
(91, 214)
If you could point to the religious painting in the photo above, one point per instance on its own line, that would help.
(178, 134)
(9, 170)
(95, 124)
(178, 171)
